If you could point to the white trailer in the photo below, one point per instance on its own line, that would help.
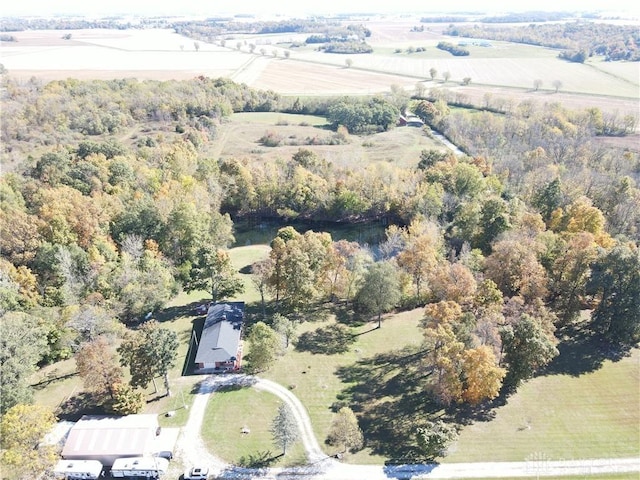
(149, 467)
(78, 469)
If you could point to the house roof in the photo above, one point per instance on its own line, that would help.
(221, 333)
(98, 435)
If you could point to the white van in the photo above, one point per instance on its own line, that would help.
(150, 467)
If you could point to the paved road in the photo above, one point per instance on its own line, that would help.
(321, 467)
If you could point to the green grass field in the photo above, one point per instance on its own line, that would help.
(595, 415)
(229, 412)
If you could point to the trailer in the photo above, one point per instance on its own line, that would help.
(78, 469)
(148, 467)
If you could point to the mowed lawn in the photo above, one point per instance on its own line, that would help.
(595, 415)
(237, 428)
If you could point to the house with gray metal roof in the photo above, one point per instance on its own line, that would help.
(220, 345)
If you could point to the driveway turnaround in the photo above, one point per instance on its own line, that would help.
(322, 467)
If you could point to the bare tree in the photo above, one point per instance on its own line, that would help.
(557, 84)
(537, 84)
(446, 76)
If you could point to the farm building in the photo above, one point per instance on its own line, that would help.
(107, 438)
(410, 121)
(220, 345)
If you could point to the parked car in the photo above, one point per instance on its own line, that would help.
(202, 309)
(196, 473)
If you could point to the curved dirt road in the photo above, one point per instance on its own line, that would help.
(321, 467)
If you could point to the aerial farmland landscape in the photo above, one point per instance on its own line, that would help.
(341, 243)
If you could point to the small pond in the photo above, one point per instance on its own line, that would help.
(252, 232)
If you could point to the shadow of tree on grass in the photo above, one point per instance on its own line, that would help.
(258, 460)
(329, 340)
(83, 403)
(389, 392)
(581, 350)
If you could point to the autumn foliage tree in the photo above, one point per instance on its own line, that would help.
(126, 400)
(459, 373)
(98, 367)
(421, 253)
(345, 431)
(22, 430)
(482, 377)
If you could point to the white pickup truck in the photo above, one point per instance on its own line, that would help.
(196, 473)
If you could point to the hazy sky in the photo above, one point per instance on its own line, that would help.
(213, 7)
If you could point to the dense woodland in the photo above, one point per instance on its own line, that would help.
(503, 246)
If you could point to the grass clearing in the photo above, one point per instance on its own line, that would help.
(56, 383)
(594, 415)
(238, 139)
(312, 377)
(232, 410)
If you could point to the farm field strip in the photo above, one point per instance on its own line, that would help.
(507, 72)
(109, 54)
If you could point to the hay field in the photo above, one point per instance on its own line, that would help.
(502, 69)
(105, 54)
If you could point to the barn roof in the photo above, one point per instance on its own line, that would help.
(98, 435)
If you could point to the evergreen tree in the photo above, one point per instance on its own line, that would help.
(284, 429)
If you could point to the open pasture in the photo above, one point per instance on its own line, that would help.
(239, 138)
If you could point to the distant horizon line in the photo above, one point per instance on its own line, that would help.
(308, 13)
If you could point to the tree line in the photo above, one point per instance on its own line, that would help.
(614, 42)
